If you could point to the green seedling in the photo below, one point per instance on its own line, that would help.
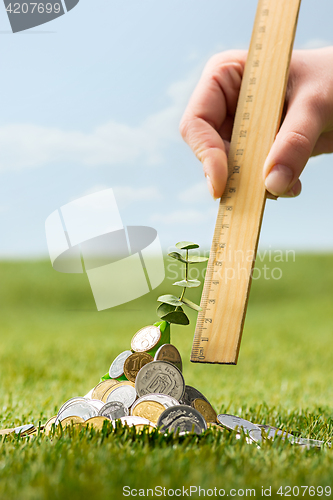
(171, 307)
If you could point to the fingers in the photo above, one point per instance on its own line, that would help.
(292, 148)
(207, 121)
(210, 150)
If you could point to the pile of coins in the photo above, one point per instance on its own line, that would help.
(146, 389)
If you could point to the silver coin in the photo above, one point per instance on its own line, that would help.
(270, 433)
(267, 427)
(70, 402)
(274, 432)
(256, 435)
(23, 428)
(97, 403)
(191, 394)
(182, 419)
(113, 410)
(81, 409)
(160, 377)
(117, 366)
(134, 420)
(232, 422)
(126, 394)
(170, 353)
(166, 401)
(311, 442)
(146, 339)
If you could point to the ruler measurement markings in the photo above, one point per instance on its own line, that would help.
(241, 136)
(219, 254)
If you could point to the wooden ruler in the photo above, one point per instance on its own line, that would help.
(229, 271)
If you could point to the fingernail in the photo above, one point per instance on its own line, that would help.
(271, 196)
(294, 191)
(289, 194)
(210, 186)
(279, 179)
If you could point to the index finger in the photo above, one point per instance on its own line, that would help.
(207, 122)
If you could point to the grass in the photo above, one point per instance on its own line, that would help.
(55, 345)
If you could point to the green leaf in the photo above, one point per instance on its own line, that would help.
(196, 259)
(105, 377)
(188, 283)
(164, 309)
(191, 304)
(176, 255)
(177, 317)
(162, 325)
(186, 245)
(170, 299)
(193, 259)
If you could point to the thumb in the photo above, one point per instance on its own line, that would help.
(291, 149)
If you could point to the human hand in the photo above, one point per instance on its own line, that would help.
(306, 130)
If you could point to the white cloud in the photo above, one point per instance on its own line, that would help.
(180, 91)
(29, 145)
(315, 43)
(184, 216)
(126, 195)
(195, 194)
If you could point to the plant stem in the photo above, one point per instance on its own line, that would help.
(186, 266)
(186, 275)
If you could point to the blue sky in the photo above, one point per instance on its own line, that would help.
(93, 100)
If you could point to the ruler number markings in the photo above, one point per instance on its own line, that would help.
(216, 262)
(215, 268)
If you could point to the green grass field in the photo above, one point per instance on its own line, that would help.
(55, 345)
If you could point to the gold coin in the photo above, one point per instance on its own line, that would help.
(32, 433)
(141, 427)
(29, 431)
(12, 430)
(96, 422)
(33, 430)
(102, 387)
(119, 384)
(206, 410)
(71, 420)
(170, 353)
(134, 363)
(213, 425)
(4, 432)
(48, 424)
(150, 410)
